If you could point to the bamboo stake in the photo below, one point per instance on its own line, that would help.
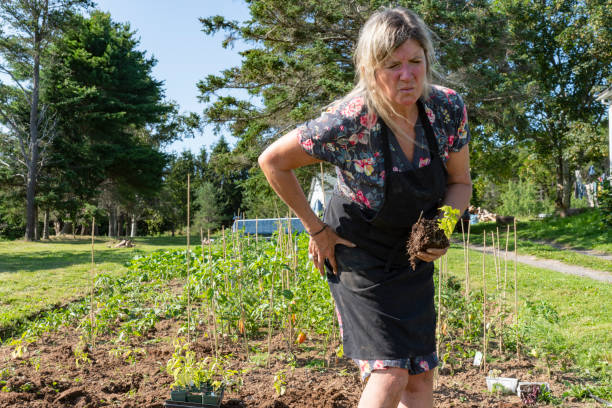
(464, 254)
(495, 261)
(506, 261)
(501, 298)
(270, 319)
(467, 275)
(213, 301)
(256, 231)
(322, 185)
(93, 284)
(467, 262)
(518, 352)
(497, 275)
(206, 306)
(188, 260)
(484, 301)
(242, 317)
(440, 267)
(288, 249)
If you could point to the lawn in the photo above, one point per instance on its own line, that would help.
(554, 238)
(583, 306)
(564, 321)
(37, 276)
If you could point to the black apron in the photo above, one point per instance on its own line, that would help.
(386, 307)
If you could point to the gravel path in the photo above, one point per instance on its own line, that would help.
(560, 266)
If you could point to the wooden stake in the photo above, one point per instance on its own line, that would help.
(270, 319)
(518, 352)
(242, 316)
(506, 261)
(93, 285)
(467, 262)
(440, 266)
(214, 289)
(322, 185)
(484, 301)
(495, 261)
(188, 260)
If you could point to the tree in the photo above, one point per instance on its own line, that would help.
(31, 26)
(226, 171)
(560, 54)
(301, 60)
(112, 120)
(208, 216)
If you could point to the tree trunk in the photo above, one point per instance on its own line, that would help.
(32, 160)
(560, 203)
(567, 186)
(119, 225)
(133, 229)
(36, 225)
(112, 221)
(46, 225)
(57, 225)
(67, 228)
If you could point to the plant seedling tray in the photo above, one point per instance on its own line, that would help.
(179, 404)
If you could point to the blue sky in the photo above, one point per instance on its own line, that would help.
(171, 32)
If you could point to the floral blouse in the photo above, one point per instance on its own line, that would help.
(350, 138)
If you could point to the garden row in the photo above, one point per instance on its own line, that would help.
(252, 292)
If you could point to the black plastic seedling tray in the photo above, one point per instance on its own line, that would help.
(179, 404)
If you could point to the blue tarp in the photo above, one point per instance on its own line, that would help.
(268, 226)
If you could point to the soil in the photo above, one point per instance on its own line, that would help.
(47, 375)
(425, 234)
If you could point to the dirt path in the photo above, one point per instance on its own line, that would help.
(558, 266)
(588, 252)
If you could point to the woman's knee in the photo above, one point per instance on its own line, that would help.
(419, 383)
(391, 377)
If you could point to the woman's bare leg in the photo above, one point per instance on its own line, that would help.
(418, 393)
(384, 388)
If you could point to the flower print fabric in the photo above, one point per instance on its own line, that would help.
(350, 138)
(414, 365)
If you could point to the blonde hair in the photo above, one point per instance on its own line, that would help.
(383, 33)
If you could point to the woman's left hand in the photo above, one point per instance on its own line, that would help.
(431, 254)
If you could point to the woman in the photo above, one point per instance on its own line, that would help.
(399, 145)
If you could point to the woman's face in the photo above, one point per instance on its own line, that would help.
(401, 78)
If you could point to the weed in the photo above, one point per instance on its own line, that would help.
(80, 352)
(27, 387)
(280, 382)
(259, 359)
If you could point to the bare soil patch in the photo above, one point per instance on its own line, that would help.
(47, 375)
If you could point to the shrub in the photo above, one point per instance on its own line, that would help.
(604, 198)
(522, 198)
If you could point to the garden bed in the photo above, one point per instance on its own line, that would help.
(48, 376)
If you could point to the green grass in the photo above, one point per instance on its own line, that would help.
(37, 276)
(584, 305)
(580, 232)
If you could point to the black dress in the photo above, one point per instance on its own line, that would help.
(386, 307)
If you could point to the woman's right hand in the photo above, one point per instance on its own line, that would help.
(322, 246)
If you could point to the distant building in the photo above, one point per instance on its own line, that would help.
(268, 226)
(320, 194)
(318, 198)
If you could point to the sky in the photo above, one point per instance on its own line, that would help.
(171, 32)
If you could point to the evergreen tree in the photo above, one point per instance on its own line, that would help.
(26, 31)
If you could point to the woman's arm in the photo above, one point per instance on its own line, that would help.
(459, 180)
(277, 162)
(458, 192)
